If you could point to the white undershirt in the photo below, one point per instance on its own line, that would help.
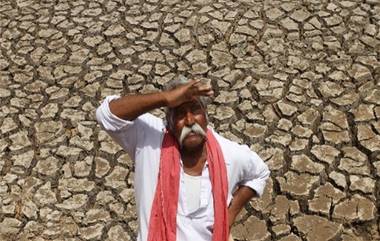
(192, 191)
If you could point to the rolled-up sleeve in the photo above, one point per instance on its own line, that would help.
(129, 134)
(260, 172)
(107, 119)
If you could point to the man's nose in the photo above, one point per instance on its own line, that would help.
(189, 119)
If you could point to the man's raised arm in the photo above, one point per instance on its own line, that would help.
(131, 106)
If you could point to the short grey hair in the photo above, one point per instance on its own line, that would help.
(176, 82)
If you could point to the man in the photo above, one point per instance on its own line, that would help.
(190, 182)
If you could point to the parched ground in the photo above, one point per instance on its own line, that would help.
(298, 81)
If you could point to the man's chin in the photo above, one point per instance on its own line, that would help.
(193, 143)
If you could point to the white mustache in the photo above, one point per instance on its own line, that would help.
(196, 128)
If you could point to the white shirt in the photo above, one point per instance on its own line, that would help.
(192, 186)
(142, 140)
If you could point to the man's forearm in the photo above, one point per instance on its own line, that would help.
(131, 106)
(241, 197)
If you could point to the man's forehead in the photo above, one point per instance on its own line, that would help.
(193, 104)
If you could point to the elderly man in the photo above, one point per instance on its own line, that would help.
(190, 182)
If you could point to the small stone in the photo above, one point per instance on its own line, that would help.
(183, 35)
(44, 195)
(354, 162)
(281, 229)
(297, 184)
(101, 167)
(330, 89)
(364, 184)
(280, 137)
(96, 215)
(118, 233)
(71, 153)
(316, 228)
(333, 134)
(274, 13)
(325, 198)
(116, 179)
(74, 202)
(114, 30)
(356, 208)
(92, 232)
(302, 132)
(373, 96)
(8, 125)
(298, 144)
(161, 69)
(48, 166)
(309, 117)
(29, 209)
(255, 130)
(282, 207)
(83, 168)
(333, 20)
(364, 113)
(10, 226)
(24, 159)
(19, 140)
(110, 147)
(368, 138)
(303, 163)
(76, 185)
(167, 41)
(336, 117)
(360, 73)
(196, 55)
(284, 124)
(200, 68)
(4, 93)
(338, 178)
(289, 24)
(246, 30)
(286, 109)
(346, 99)
(220, 58)
(244, 231)
(49, 110)
(300, 15)
(92, 41)
(224, 113)
(48, 131)
(222, 26)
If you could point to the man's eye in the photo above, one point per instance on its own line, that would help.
(197, 110)
(180, 114)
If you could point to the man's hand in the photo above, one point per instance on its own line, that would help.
(241, 197)
(187, 92)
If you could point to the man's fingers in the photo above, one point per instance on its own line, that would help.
(194, 82)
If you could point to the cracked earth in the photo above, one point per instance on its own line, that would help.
(297, 81)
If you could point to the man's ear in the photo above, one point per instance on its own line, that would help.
(169, 121)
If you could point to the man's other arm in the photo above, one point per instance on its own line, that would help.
(241, 197)
(254, 179)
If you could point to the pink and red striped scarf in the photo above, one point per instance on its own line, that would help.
(163, 223)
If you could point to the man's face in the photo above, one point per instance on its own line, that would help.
(189, 115)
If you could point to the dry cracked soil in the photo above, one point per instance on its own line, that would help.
(298, 81)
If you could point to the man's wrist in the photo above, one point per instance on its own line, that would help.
(165, 98)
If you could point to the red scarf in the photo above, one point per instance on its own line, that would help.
(163, 223)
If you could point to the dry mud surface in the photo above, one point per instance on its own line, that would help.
(297, 81)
